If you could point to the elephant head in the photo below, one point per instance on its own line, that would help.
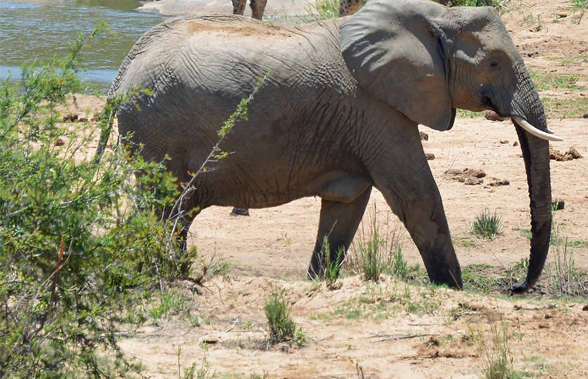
(426, 60)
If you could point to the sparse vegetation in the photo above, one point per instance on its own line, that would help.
(496, 354)
(478, 278)
(555, 81)
(581, 6)
(332, 267)
(83, 247)
(498, 4)
(281, 326)
(80, 240)
(569, 107)
(373, 254)
(564, 278)
(487, 225)
(463, 113)
(325, 9)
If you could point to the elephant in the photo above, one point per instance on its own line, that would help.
(338, 116)
(346, 7)
(257, 7)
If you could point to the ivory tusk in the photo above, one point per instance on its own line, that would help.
(534, 131)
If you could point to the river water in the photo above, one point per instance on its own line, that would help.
(35, 30)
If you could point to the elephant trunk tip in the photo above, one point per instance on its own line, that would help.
(522, 287)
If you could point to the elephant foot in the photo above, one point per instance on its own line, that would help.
(240, 212)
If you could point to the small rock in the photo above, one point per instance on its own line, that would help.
(585, 115)
(453, 171)
(569, 155)
(82, 119)
(536, 28)
(515, 143)
(473, 181)
(499, 182)
(209, 340)
(558, 204)
(424, 136)
(543, 326)
(430, 156)
(59, 142)
(585, 307)
(493, 116)
(335, 286)
(574, 153)
(475, 172)
(504, 141)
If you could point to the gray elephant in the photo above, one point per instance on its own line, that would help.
(338, 115)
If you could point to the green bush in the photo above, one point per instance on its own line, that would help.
(80, 243)
(281, 326)
(487, 225)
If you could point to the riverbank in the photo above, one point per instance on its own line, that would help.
(34, 31)
(274, 8)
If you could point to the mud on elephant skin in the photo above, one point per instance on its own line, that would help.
(338, 115)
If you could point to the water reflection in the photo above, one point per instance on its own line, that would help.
(6, 5)
(35, 30)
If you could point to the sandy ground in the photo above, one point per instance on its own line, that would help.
(392, 330)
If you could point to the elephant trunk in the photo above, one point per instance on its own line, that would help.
(535, 150)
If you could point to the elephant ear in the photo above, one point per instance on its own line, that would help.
(394, 50)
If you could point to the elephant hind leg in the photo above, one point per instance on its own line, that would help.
(240, 212)
(257, 8)
(349, 7)
(239, 6)
(337, 226)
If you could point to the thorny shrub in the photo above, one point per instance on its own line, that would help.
(79, 237)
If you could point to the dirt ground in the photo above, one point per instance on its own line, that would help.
(393, 330)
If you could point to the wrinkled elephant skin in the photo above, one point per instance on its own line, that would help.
(337, 116)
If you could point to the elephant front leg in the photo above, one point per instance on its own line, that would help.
(337, 226)
(425, 220)
(413, 195)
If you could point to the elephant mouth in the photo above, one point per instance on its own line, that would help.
(549, 136)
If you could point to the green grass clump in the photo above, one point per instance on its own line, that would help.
(478, 278)
(370, 251)
(554, 81)
(325, 9)
(487, 225)
(281, 326)
(399, 267)
(374, 253)
(564, 278)
(499, 5)
(496, 353)
(580, 5)
(573, 107)
(332, 266)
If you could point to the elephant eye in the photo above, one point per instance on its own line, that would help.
(494, 63)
